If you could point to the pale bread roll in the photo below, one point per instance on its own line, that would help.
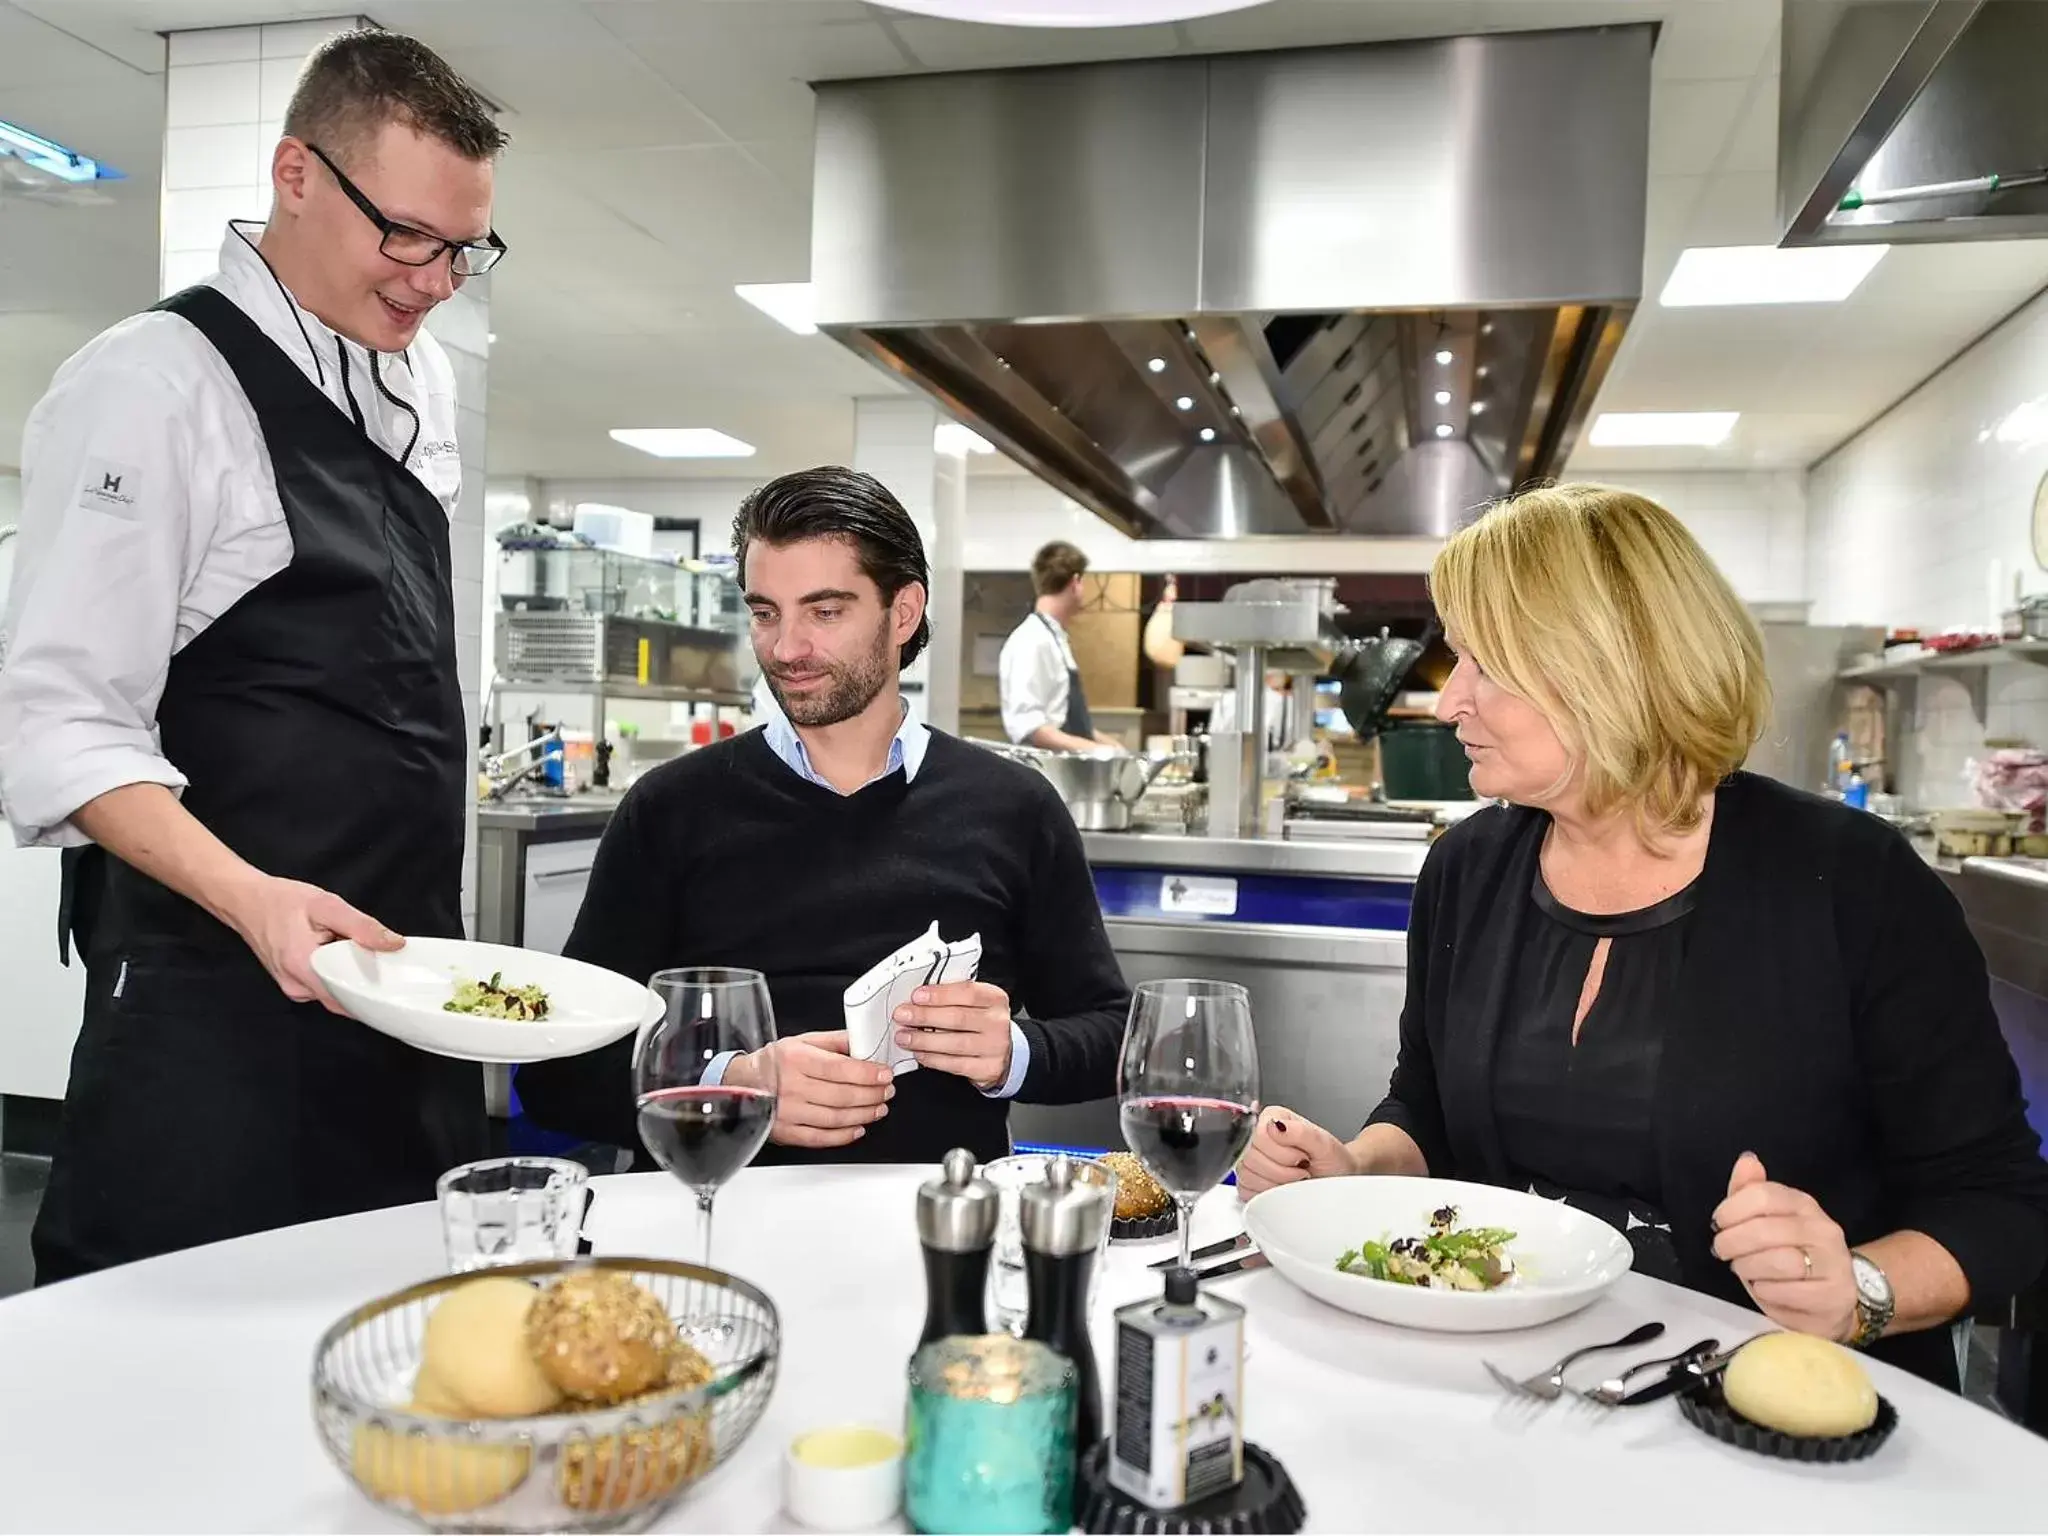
(475, 1355)
(436, 1477)
(1800, 1385)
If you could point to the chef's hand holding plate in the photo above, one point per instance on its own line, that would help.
(1287, 1148)
(284, 921)
(1787, 1251)
(962, 1027)
(824, 1098)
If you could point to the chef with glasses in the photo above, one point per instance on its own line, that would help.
(230, 690)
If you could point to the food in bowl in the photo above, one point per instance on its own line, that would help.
(437, 1477)
(493, 999)
(622, 1471)
(1801, 1385)
(600, 1338)
(474, 1359)
(1448, 1256)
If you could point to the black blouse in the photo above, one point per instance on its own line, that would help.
(1832, 1015)
(1576, 1120)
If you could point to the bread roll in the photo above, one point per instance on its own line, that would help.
(475, 1356)
(1800, 1385)
(600, 1337)
(436, 1477)
(621, 1472)
(1138, 1194)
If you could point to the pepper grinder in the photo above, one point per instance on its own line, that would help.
(1063, 1221)
(956, 1223)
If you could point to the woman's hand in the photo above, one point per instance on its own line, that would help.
(1287, 1148)
(1787, 1251)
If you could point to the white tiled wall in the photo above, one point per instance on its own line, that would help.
(225, 91)
(1753, 524)
(1925, 519)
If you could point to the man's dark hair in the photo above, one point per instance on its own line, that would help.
(1054, 567)
(832, 502)
(356, 83)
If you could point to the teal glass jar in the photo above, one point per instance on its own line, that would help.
(989, 1444)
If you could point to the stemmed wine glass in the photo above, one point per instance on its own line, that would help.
(703, 1131)
(1188, 1086)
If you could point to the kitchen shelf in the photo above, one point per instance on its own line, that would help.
(1971, 668)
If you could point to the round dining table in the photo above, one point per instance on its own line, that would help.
(173, 1394)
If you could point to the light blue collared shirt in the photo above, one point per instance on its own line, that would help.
(906, 751)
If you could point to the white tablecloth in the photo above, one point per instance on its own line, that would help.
(173, 1395)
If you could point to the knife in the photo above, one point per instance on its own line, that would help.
(1682, 1377)
(1249, 1261)
(1208, 1251)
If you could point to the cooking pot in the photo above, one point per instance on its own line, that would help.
(1099, 788)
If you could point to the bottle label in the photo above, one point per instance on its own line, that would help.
(1178, 1434)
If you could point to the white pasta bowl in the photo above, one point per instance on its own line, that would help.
(404, 993)
(1563, 1258)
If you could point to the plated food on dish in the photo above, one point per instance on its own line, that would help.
(1448, 1255)
(1436, 1253)
(493, 999)
(484, 1002)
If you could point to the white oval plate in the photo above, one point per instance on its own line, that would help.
(402, 993)
(1565, 1258)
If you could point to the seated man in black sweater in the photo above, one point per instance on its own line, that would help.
(817, 845)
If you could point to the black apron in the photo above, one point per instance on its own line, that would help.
(1079, 721)
(319, 722)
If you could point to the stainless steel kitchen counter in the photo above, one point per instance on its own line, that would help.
(578, 816)
(1364, 859)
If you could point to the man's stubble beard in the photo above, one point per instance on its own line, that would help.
(854, 686)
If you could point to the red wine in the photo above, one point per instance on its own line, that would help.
(705, 1135)
(1187, 1143)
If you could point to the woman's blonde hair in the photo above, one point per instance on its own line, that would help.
(1598, 607)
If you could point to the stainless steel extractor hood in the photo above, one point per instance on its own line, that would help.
(1348, 290)
(1912, 120)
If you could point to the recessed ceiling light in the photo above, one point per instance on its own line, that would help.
(1662, 429)
(490, 337)
(1444, 356)
(789, 304)
(682, 442)
(1443, 397)
(1478, 406)
(1185, 402)
(1208, 434)
(1443, 429)
(1764, 274)
(1157, 365)
(1069, 13)
(951, 438)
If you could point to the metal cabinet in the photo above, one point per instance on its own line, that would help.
(557, 874)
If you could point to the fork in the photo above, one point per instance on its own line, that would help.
(1548, 1386)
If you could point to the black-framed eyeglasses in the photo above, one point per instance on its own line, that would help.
(415, 247)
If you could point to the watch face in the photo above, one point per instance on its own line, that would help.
(1871, 1284)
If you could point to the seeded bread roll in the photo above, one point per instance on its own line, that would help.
(601, 1338)
(1800, 1385)
(1138, 1194)
(620, 1472)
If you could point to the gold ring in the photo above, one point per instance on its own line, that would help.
(1806, 1256)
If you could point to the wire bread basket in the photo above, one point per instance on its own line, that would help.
(585, 1468)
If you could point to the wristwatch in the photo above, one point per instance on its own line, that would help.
(1874, 1302)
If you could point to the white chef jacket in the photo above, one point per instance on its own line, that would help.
(1033, 676)
(148, 509)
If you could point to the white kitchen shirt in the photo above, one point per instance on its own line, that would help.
(1032, 675)
(148, 509)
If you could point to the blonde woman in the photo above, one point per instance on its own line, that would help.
(1744, 1024)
